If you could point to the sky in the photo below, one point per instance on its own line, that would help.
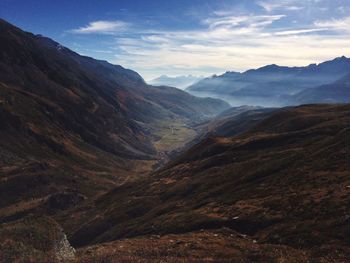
(198, 37)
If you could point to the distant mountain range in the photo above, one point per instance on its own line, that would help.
(180, 82)
(274, 85)
(81, 141)
(337, 92)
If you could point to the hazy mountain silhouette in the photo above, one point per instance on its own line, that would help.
(180, 82)
(337, 92)
(268, 85)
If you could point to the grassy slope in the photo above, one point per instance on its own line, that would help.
(75, 126)
(283, 182)
(222, 245)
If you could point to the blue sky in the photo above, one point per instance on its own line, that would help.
(199, 37)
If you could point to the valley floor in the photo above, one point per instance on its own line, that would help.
(171, 137)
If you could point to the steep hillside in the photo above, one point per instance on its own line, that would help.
(234, 121)
(79, 138)
(73, 127)
(231, 122)
(268, 85)
(285, 181)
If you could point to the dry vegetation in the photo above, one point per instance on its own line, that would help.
(77, 143)
(173, 135)
(285, 182)
(222, 245)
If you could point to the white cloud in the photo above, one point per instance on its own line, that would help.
(273, 5)
(229, 43)
(335, 24)
(224, 42)
(299, 31)
(102, 27)
(242, 21)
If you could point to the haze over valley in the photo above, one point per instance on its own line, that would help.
(276, 86)
(174, 131)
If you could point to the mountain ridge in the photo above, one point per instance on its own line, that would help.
(272, 84)
(85, 149)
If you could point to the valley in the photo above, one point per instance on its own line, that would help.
(98, 166)
(173, 135)
(171, 138)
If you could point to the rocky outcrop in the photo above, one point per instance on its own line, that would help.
(63, 251)
(34, 239)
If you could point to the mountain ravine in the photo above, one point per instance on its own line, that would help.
(98, 166)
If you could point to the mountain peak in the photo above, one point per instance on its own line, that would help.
(341, 58)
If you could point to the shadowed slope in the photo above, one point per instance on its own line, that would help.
(283, 182)
(76, 126)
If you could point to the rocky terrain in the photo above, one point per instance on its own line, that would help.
(34, 239)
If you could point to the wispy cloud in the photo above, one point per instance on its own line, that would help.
(231, 43)
(273, 5)
(299, 31)
(102, 27)
(251, 21)
(335, 24)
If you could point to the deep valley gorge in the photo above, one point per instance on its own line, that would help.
(98, 166)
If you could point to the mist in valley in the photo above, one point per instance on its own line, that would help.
(237, 101)
(102, 162)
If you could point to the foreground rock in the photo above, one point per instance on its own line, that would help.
(34, 240)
